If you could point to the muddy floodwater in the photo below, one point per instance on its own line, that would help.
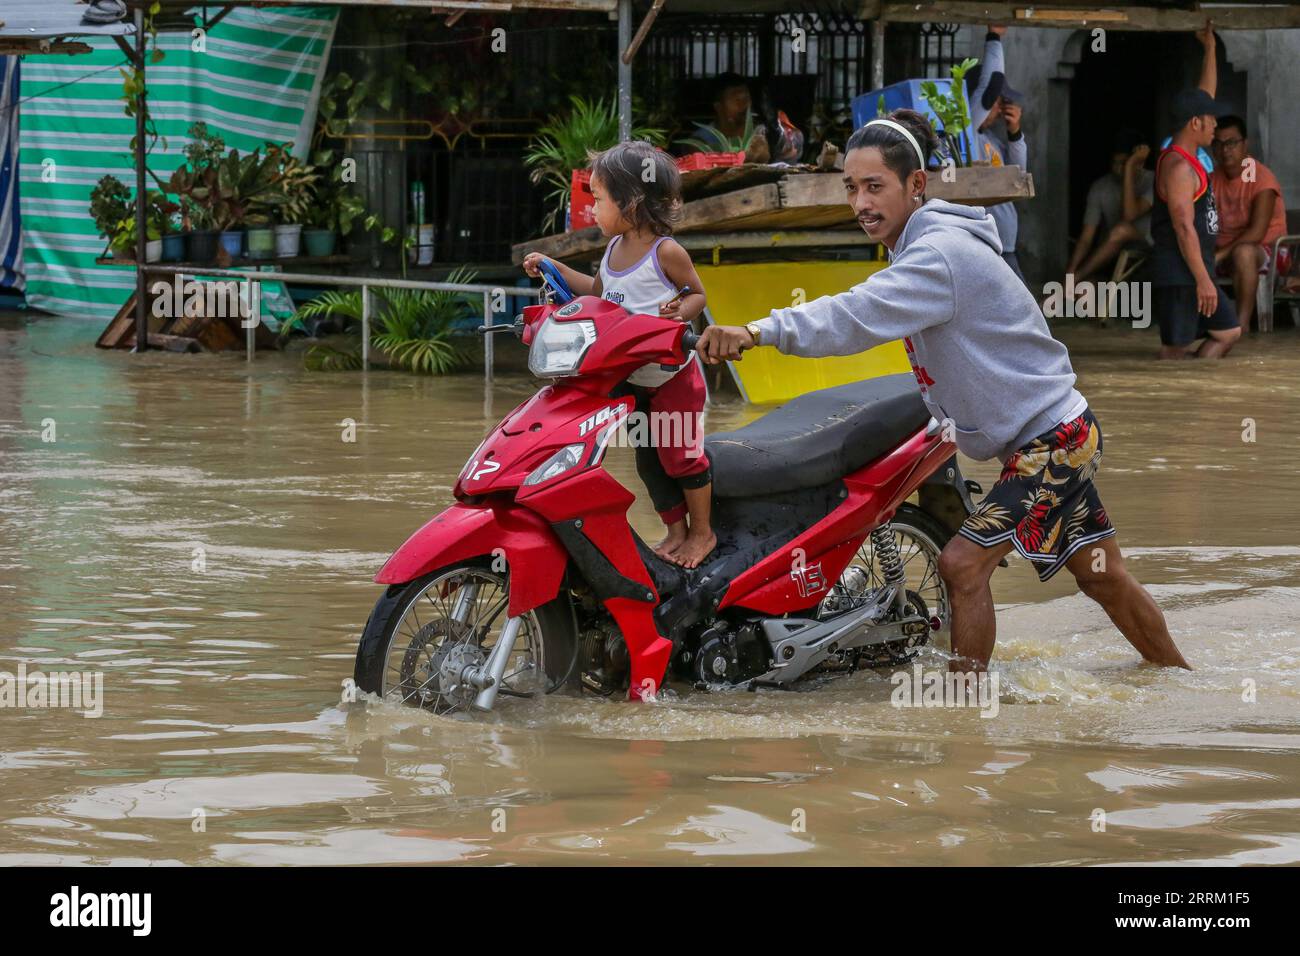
(198, 532)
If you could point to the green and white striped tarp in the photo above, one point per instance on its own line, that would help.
(257, 80)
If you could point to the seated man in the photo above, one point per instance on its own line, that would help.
(1119, 207)
(733, 128)
(1252, 215)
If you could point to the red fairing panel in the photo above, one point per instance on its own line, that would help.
(801, 573)
(602, 503)
(537, 429)
(535, 556)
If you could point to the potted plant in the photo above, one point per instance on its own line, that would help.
(245, 195)
(295, 182)
(564, 144)
(260, 235)
(198, 219)
(195, 184)
(110, 201)
(173, 241)
(157, 216)
(334, 212)
(198, 193)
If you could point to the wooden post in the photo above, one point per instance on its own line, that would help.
(877, 53)
(141, 192)
(624, 71)
(629, 54)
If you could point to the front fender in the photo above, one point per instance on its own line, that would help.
(534, 554)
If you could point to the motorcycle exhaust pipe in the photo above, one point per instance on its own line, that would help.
(488, 677)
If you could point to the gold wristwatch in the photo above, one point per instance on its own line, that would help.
(754, 331)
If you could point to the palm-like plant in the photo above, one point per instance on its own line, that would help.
(414, 327)
(951, 108)
(567, 142)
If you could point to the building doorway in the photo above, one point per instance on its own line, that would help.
(1131, 84)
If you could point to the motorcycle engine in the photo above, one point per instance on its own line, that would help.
(726, 656)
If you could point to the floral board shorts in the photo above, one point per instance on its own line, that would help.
(1045, 502)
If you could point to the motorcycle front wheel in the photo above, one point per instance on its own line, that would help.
(423, 636)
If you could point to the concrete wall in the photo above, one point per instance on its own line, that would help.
(1040, 63)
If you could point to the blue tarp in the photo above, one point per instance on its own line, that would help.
(11, 239)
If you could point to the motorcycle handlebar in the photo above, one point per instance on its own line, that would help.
(689, 341)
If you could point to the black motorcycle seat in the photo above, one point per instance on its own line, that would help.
(816, 438)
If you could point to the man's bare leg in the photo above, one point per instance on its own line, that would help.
(1109, 250)
(966, 568)
(1219, 343)
(1246, 260)
(1100, 571)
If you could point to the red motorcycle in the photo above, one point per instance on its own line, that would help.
(534, 582)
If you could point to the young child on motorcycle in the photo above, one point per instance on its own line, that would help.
(637, 191)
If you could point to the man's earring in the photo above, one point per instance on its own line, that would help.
(916, 199)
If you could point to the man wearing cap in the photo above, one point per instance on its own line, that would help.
(991, 99)
(1195, 317)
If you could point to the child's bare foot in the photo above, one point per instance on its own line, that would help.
(695, 548)
(673, 540)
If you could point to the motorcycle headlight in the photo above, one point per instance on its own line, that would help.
(566, 458)
(558, 347)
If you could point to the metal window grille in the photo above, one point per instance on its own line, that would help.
(937, 48)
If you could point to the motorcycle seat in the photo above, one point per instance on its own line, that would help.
(816, 438)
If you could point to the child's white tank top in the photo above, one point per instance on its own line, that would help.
(640, 288)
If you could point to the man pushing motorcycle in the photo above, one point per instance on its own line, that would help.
(988, 367)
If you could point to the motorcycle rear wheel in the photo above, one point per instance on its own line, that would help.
(920, 539)
(422, 635)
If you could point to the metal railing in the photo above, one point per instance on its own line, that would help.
(366, 283)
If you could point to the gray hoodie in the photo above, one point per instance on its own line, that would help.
(995, 139)
(978, 344)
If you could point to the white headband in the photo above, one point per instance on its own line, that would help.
(902, 129)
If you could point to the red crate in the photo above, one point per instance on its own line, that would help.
(581, 201)
(693, 161)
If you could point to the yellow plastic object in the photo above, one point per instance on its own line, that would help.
(746, 292)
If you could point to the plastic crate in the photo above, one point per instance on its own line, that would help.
(904, 95)
(581, 202)
(693, 161)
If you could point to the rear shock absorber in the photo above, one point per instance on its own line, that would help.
(891, 565)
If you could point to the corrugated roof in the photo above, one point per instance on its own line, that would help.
(46, 19)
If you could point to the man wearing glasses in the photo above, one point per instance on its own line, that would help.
(1252, 215)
